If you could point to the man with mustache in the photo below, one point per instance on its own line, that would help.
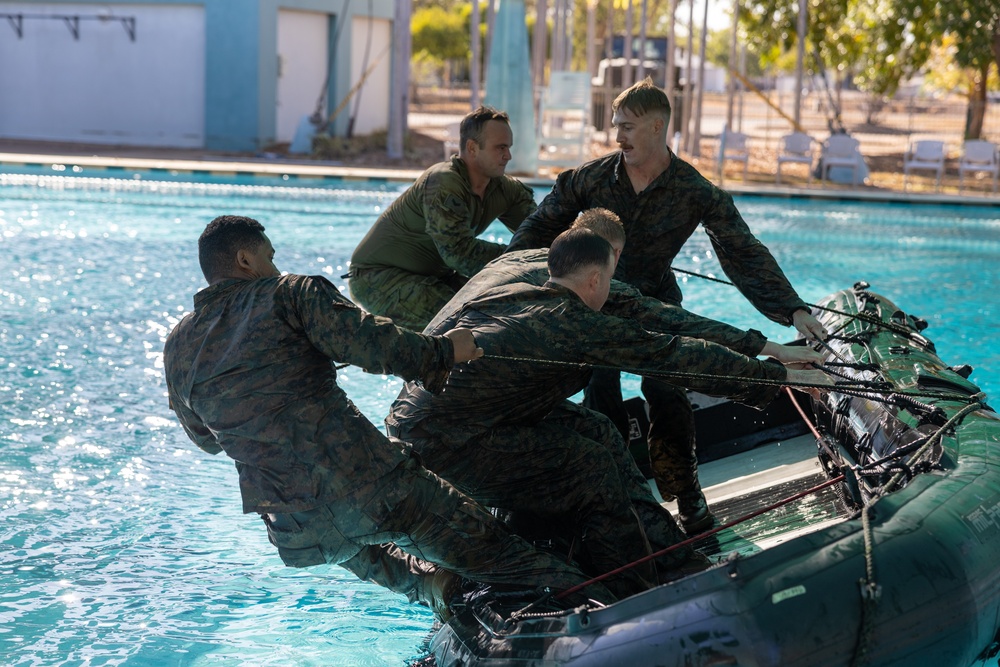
(661, 200)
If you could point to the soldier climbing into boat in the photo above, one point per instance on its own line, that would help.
(661, 200)
(424, 246)
(250, 373)
(503, 432)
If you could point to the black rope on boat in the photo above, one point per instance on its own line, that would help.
(871, 593)
(864, 317)
(861, 388)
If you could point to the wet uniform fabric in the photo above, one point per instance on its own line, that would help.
(502, 431)
(250, 373)
(424, 245)
(658, 221)
(673, 460)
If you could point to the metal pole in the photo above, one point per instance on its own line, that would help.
(400, 89)
(538, 50)
(474, 66)
(628, 74)
(696, 131)
(731, 80)
(800, 57)
(643, 19)
(671, 79)
(685, 128)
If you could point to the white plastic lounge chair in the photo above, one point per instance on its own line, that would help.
(926, 155)
(564, 120)
(734, 146)
(840, 150)
(978, 156)
(796, 148)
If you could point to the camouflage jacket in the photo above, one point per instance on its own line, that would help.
(657, 222)
(624, 301)
(431, 228)
(250, 373)
(540, 343)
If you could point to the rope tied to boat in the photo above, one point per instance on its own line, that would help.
(863, 388)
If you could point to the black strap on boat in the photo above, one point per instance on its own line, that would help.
(871, 593)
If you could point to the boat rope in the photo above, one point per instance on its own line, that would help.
(864, 317)
(853, 387)
(871, 592)
(701, 536)
(956, 419)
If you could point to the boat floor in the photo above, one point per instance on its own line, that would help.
(744, 483)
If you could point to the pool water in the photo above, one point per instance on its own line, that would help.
(123, 544)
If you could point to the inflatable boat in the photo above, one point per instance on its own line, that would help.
(873, 541)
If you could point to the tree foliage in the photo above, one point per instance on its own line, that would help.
(440, 33)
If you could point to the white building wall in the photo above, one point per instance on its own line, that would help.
(373, 110)
(103, 87)
(303, 51)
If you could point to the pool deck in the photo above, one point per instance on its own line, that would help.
(180, 161)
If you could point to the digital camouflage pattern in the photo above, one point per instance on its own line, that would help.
(540, 343)
(624, 301)
(408, 299)
(250, 372)
(658, 221)
(432, 230)
(672, 458)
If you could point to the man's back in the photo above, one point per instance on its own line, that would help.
(249, 371)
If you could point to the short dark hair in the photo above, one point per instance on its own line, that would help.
(222, 239)
(605, 223)
(643, 97)
(474, 125)
(577, 249)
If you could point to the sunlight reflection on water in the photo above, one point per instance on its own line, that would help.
(124, 545)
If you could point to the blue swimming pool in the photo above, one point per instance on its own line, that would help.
(123, 544)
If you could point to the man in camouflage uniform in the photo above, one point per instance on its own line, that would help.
(661, 200)
(250, 372)
(624, 301)
(503, 432)
(423, 247)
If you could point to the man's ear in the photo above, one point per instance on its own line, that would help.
(243, 260)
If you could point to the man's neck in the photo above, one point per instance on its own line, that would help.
(641, 176)
(477, 180)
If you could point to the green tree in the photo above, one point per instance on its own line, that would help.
(975, 27)
(439, 33)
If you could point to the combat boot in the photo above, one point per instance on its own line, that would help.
(694, 513)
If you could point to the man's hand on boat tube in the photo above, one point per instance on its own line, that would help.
(791, 354)
(812, 377)
(807, 325)
(464, 344)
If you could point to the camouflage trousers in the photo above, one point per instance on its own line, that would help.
(401, 528)
(671, 438)
(571, 467)
(408, 299)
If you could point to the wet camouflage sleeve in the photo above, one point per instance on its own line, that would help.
(347, 334)
(654, 315)
(195, 428)
(540, 344)
(658, 221)
(455, 218)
